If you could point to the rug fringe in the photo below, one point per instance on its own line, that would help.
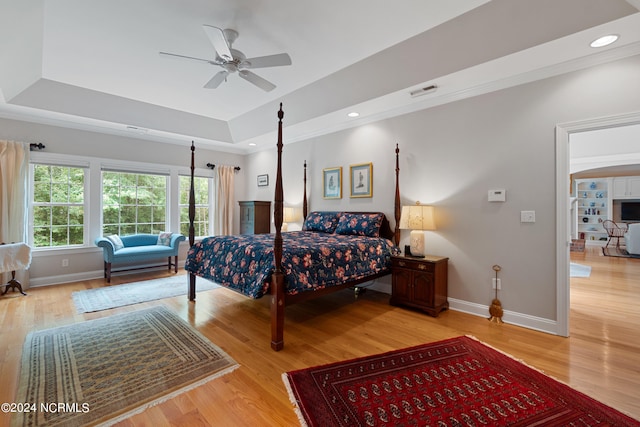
(162, 399)
(294, 401)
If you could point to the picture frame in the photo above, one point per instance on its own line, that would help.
(361, 180)
(263, 180)
(332, 183)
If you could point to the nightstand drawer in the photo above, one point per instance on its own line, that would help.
(412, 264)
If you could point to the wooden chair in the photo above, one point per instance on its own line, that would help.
(614, 231)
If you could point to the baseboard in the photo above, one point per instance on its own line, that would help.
(89, 275)
(65, 278)
(510, 317)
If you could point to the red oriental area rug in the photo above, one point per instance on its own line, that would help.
(455, 382)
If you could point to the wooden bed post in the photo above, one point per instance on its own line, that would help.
(192, 216)
(277, 279)
(397, 199)
(304, 194)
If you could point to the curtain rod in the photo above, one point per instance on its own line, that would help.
(34, 146)
(212, 166)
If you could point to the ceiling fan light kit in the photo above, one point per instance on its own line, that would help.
(233, 61)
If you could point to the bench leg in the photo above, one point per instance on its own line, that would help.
(107, 271)
(174, 264)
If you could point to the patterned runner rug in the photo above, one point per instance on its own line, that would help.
(459, 381)
(104, 370)
(133, 293)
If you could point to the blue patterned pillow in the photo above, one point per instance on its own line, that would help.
(324, 222)
(117, 242)
(165, 238)
(360, 224)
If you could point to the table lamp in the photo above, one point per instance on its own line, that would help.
(417, 218)
(289, 214)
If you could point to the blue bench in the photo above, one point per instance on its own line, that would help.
(138, 248)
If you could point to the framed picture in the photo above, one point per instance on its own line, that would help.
(361, 180)
(332, 183)
(263, 180)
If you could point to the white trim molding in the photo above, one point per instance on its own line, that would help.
(563, 228)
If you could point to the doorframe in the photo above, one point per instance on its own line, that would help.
(563, 220)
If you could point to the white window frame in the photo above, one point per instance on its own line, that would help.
(60, 161)
(211, 200)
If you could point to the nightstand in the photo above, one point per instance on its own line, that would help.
(420, 283)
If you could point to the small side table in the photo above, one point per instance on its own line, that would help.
(420, 283)
(14, 256)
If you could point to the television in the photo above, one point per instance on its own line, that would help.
(630, 211)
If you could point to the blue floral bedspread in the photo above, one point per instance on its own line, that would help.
(310, 260)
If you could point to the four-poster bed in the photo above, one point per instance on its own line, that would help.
(335, 250)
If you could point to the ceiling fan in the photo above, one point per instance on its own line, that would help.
(232, 60)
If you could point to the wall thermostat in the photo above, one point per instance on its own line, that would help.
(498, 195)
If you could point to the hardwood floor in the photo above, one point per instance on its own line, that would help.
(601, 358)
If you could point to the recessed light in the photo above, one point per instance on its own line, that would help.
(353, 114)
(604, 40)
(252, 144)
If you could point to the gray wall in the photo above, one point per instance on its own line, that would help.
(450, 157)
(85, 263)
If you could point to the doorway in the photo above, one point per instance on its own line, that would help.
(563, 219)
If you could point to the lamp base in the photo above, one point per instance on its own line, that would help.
(408, 254)
(417, 243)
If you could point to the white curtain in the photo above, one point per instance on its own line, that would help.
(223, 221)
(14, 166)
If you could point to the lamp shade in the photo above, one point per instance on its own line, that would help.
(290, 214)
(417, 217)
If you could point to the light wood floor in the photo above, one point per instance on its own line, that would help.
(601, 358)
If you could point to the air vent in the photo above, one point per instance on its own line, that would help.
(137, 129)
(423, 90)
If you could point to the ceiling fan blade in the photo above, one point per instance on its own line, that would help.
(219, 42)
(187, 57)
(267, 61)
(216, 80)
(257, 80)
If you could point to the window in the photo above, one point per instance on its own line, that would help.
(133, 203)
(58, 205)
(201, 222)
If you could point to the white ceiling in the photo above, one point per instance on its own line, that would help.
(94, 64)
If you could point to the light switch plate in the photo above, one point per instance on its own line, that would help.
(527, 216)
(497, 195)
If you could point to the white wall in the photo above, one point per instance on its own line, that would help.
(450, 157)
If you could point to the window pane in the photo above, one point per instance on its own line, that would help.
(59, 236)
(133, 203)
(201, 220)
(42, 192)
(145, 228)
(75, 235)
(42, 215)
(41, 236)
(60, 215)
(58, 202)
